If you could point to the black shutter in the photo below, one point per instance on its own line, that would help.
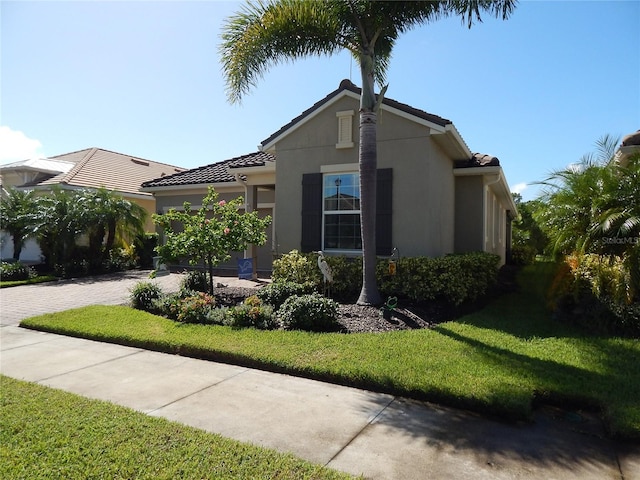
(311, 212)
(384, 196)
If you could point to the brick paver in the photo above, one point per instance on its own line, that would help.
(18, 303)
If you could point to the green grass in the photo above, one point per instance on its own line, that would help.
(498, 361)
(38, 279)
(47, 433)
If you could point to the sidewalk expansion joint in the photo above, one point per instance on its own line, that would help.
(90, 366)
(206, 387)
(344, 447)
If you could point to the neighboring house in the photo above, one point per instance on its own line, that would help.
(89, 168)
(434, 196)
(630, 145)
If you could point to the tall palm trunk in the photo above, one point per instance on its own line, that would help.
(368, 163)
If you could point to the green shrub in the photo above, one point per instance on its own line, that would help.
(455, 278)
(218, 316)
(302, 268)
(311, 312)
(252, 313)
(298, 268)
(144, 296)
(195, 281)
(193, 308)
(276, 293)
(523, 255)
(347, 277)
(168, 304)
(12, 271)
(592, 292)
(145, 246)
(120, 259)
(76, 268)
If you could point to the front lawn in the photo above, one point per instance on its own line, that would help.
(498, 361)
(38, 279)
(47, 433)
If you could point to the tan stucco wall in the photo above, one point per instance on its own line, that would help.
(176, 198)
(423, 183)
(469, 214)
(150, 206)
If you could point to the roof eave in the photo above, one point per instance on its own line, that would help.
(266, 168)
(452, 142)
(187, 186)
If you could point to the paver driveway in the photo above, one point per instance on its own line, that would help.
(18, 303)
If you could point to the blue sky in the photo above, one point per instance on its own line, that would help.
(144, 78)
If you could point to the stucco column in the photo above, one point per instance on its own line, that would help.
(251, 205)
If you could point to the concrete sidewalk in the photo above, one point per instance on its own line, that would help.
(361, 432)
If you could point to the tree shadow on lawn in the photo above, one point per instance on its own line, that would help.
(565, 431)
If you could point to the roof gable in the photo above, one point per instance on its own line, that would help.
(347, 88)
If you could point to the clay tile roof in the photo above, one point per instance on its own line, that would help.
(213, 173)
(348, 85)
(479, 160)
(96, 167)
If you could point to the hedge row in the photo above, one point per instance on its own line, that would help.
(454, 278)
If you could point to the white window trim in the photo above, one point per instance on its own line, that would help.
(337, 169)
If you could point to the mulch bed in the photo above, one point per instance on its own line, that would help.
(406, 315)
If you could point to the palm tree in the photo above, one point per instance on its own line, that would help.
(17, 212)
(107, 214)
(594, 207)
(265, 34)
(59, 223)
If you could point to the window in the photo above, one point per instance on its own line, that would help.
(341, 211)
(313, 212)
(345, 129)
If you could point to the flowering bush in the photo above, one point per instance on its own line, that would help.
(16, 271)
(252, 313)
(192, 309)
(211, 233)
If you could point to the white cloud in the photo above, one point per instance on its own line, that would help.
(15, 145)
(519, 187)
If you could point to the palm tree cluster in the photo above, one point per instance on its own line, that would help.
(60, 218)
(594, 207)
(264, 34)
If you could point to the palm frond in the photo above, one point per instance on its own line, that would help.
(262, 35)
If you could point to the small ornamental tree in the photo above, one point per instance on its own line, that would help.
(211, 233)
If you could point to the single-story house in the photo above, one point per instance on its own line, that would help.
(88, 168)
(435, 196)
